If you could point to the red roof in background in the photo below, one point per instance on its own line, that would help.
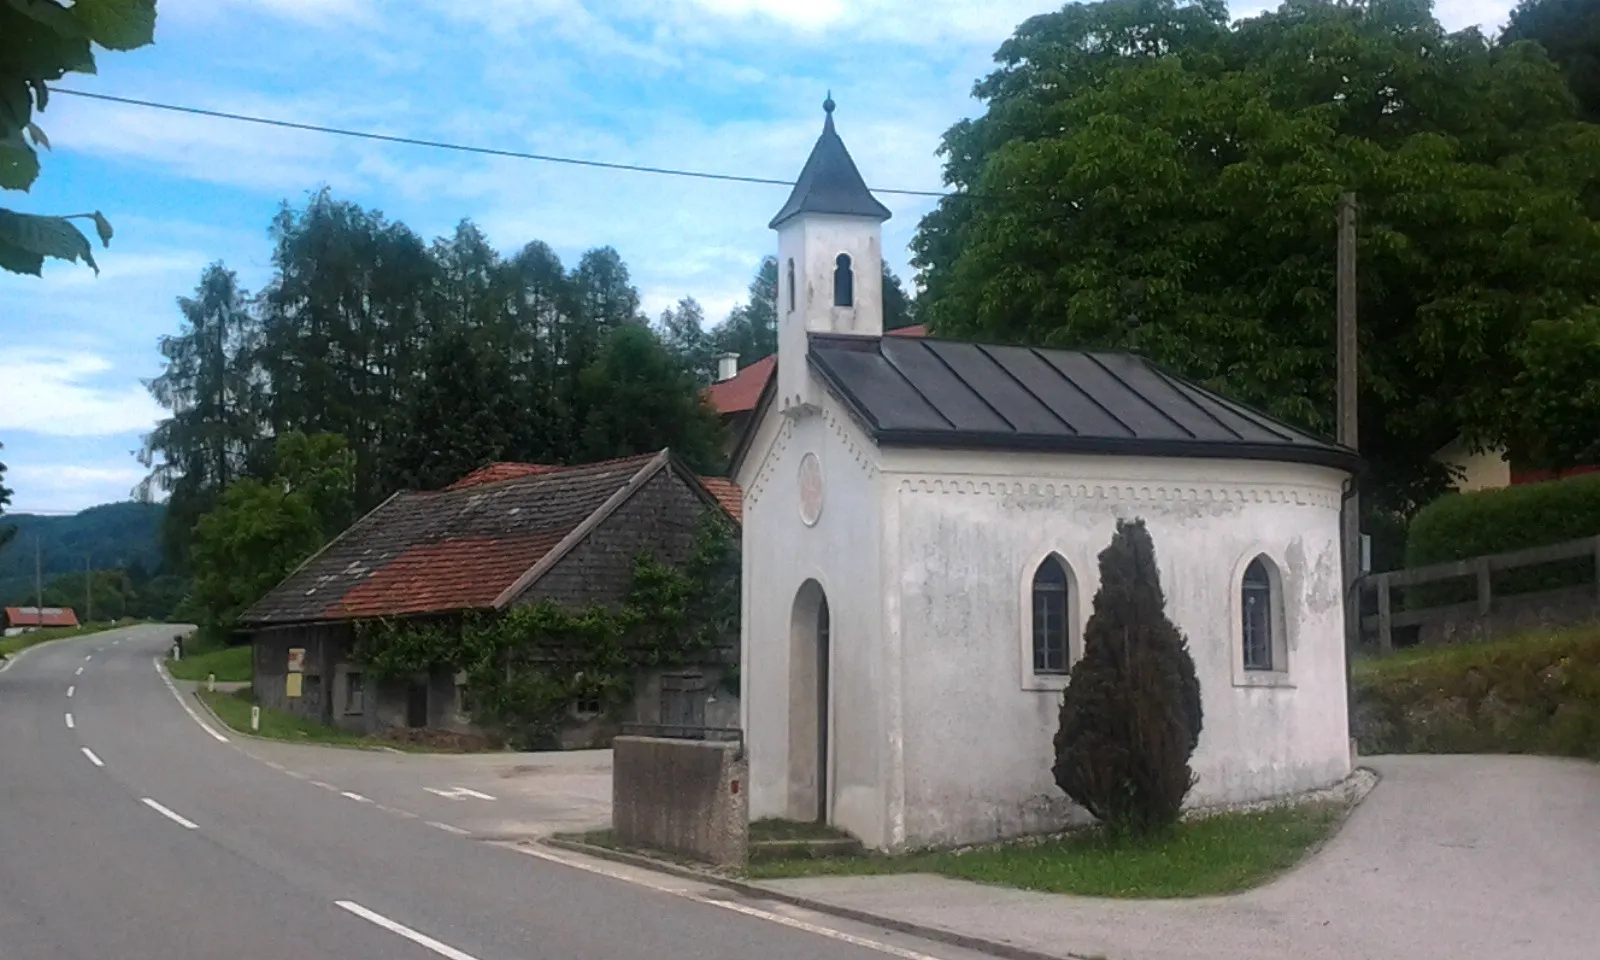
(33, 617)
(741, 391)
(495, 472)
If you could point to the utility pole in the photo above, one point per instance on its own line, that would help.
(38, 585)
(88, 591)
(1348, 432)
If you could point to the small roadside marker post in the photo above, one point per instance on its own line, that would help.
(211, 683)
(177, 651)
(255, 718)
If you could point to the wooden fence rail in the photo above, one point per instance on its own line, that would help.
(1481, 569)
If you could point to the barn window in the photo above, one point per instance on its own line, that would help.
(1257, 602)
(844, 282)
(791, 284)
(1050, 610)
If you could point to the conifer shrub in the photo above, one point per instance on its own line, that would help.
(1130, 716)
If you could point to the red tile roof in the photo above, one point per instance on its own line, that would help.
(741, 391)
(461, 548)
(495, 472)
(34, 617)
(468, 573)
(728, 494)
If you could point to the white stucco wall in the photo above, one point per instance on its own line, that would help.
(840, 551)
(968, 532)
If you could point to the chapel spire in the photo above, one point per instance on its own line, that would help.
(830, 183)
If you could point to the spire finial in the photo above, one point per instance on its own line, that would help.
(827, 105)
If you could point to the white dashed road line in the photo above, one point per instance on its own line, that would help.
(78, 673)
(186, 708)
(87, 656)
(358, 798)
(457, 793)
(749, 911)
(421, 939)
(70, 724)
(180, 821)
(70, 691)
(447, 828)
(92, 758)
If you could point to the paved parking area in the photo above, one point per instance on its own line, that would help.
(1448, 858)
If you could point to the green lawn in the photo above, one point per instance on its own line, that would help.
(1216, 855)
(11, 646)
(230, 664)
(234, 710)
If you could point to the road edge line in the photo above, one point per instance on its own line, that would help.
(166, 678)
(935, 934)
(401, 930)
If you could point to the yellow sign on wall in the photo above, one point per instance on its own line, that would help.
(292, 687)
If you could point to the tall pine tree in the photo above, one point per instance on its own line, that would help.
(1131, 715)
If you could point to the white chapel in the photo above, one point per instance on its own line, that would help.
(922, 519)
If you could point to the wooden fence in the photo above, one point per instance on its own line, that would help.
(1481, 569)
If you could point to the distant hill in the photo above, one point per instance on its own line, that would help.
(112, 536)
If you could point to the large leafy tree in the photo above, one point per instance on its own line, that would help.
(1149, 176)
(464, 414)
(262, 529)
(1569, 30)
(40, 42)
(640, 397)
(428, 359)
(6, 532)
(682, 330)
(212, 388)
(345, 323)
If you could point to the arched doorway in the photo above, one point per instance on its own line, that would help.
(809, 706)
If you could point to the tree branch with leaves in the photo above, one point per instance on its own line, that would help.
(40, 42)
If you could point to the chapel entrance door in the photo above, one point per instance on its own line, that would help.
(810, 705)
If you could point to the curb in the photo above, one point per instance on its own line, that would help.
(754, 891)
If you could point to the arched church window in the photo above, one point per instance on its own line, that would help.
(791, 284)
(844, 282)
(1256, 594)
(1050, 612)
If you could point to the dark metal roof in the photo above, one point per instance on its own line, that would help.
(948, 393)
(830, 182)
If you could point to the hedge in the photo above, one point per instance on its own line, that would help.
(1532, 694)
(1459, 526)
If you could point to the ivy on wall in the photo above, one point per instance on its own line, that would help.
(525, 667)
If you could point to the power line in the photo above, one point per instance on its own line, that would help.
(459, 147)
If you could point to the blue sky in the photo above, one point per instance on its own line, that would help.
(730, 86)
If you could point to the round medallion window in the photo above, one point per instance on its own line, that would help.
(810, 489)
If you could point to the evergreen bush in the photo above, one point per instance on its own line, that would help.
(1130, 716)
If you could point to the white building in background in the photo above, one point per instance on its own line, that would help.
(922, 521)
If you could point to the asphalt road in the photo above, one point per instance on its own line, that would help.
(129, 831)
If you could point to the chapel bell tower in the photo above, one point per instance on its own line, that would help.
(830, 260)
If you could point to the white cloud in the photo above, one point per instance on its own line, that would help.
(66, 393)
(56, 487)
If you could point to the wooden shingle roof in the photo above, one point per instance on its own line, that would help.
(473, 545)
